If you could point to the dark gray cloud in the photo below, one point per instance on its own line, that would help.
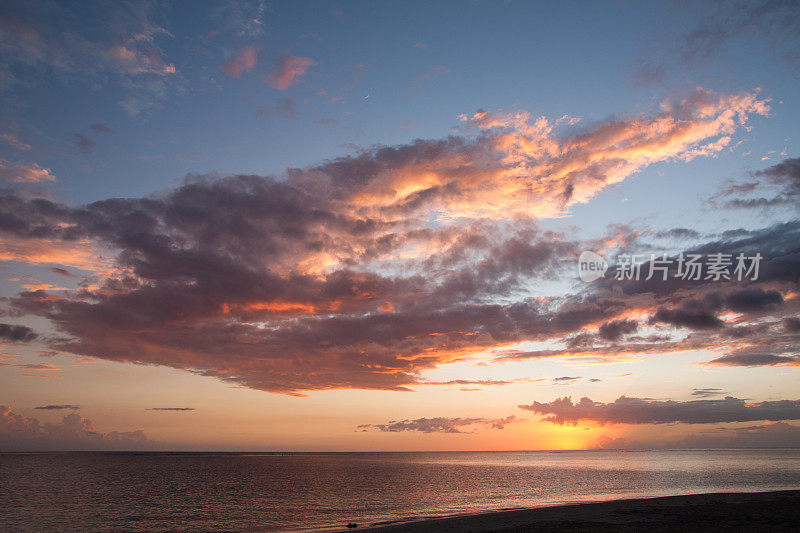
(678, 233)
(700, 312)
(781, 181)
(15, 333)
(614, 330)
(753, 299)
(58, 407)
(704, 393)
(626, 410)
(687, 318)
(755, 359)
(440, 424)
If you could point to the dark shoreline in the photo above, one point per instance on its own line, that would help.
(735, 511)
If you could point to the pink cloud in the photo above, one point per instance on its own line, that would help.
(243, 62)
(289, 72)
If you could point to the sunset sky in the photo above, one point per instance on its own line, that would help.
(356, 225)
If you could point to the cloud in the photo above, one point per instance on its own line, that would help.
(20, 433)
(100, 128)
(170, 408)
(241, 19)
(785, 173)
(40, 38)
(62, 272)
(84, 143)
(792, 324)
(374, 267)
(678, 233)
(135, 61)
(34, 36)
(706, 392)
(753, 299)
(15, 333)
(289, 71)
(781, 180)
(614, 330)
(770, 26)
(31, 249)
(24, 172)
(244, 61)
(755, 359)
(440, 424)
(430, 74)
(285, 108)
(687, 318)
(617, 148)
(13, 141)
(729, 318)
(626, 410)
(775, 435)
(39, 367)
(58, 407)
(479, 382)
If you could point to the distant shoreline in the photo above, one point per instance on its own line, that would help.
(382, 452)
(734, 511)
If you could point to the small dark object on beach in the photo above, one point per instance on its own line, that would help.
(352, 525)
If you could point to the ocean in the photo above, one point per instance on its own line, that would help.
(325, 491)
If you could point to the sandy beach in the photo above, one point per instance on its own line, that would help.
(762, 511)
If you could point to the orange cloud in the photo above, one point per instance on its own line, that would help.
(81, 254)
(519, 167)
(24, 172)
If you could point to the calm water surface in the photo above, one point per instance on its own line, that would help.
(279, 492)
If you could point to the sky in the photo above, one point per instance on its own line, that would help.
(334, 226)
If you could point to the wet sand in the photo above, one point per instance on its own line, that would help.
(761, 511)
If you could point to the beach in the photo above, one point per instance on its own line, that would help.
(761, 511)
